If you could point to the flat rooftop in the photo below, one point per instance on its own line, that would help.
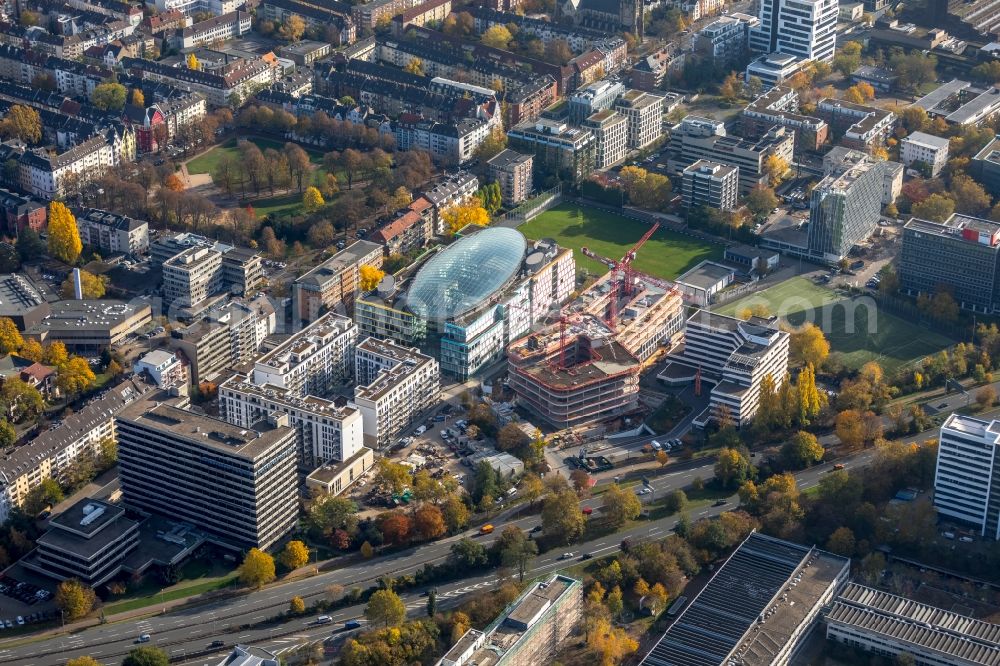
(941, 94)
(723, 618)
(18, 295)
(241, 382)
(95, 315)
(331, 471)
(926, 139)
(706, 275)
(407, 361)
(216, 434)
(349, 257)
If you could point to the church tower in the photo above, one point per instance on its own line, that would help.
(631, 16)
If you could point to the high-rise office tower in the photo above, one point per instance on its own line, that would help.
(802, 28)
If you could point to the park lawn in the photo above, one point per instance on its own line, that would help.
(666, 255)
(206, 162)
(891, 341)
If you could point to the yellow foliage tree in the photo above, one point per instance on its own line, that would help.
(497, 36)
(192, 61)
(809, 346)
(138, 99)
(83, 661)
(415, 66)
(93, 286)
(295, 555)
(296, 606)
(312, 200)
(64, 237)
(75, 376)
(370, 276)
(610, 644)
(257, 568)
(10, 337)
(74, 599)
(32, 350)
(775, 167)
(55, 354)
(461, 215)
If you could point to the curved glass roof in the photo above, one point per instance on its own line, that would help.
(463, 275)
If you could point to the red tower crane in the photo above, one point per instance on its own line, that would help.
(622, 276)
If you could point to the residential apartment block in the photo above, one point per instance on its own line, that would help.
(237, 485)
(313, 361)
(513, 171)
(21, 212)
(453, 189)
(644, 113)
(50, 454)
(591, 98)
(412, 229)
(697, 138)
(610, 130)
(333, 284)
(779, 106)
(227, 334)
(557, 147)
(855, 125)
(233, 82)
(113, 232)
(725, 39)
(925, 149)
(324, 431)
(161, 368)
(240, 270)
(395, 386)
(216, 29)
(710, 184)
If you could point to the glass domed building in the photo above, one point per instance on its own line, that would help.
(467, 302)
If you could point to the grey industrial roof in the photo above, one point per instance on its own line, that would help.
(907, 621)
(706, 275)
(739, 593)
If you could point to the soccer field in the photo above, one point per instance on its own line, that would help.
(666, 255)
(889, 340)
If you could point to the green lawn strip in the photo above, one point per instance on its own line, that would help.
(666, 255)
(891, 341)
(180, 591)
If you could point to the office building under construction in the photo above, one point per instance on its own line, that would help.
(585, 367)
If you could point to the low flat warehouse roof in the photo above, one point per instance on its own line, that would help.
(747, 588)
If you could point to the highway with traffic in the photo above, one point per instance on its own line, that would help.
(191, 630)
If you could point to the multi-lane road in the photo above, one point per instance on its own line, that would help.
(191, 630)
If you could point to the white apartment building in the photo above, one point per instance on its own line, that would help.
(966, 486)
(324, 432)
(53, 176)
(219, 28)
(707, 183)
(734, 356)
(610, 129)
(163, 367)
(192, 276)
(396, 384)
(189, 7)
(314, 360)
(802, 28)
(644, 113)
(113, 232)
(926, 148)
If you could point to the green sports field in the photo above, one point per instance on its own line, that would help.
(891, 341)
(666, 255)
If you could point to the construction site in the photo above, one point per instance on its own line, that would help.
(584, 367)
